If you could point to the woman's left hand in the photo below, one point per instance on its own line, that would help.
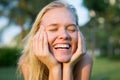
(81, 50)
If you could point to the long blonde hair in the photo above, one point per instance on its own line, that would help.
(37, 70)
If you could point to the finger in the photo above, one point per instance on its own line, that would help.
(83, 44)
(79, 51)
(46, 42)
(40, 39)
(79, 42)
(34, 45)
(36, 42)
(38, 32)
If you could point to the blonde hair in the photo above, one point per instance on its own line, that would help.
(37, 70)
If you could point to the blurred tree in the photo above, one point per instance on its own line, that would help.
(104, 25)
(20, 12)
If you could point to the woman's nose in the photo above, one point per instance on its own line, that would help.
(64, 35)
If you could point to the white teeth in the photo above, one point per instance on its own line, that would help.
(62, 46)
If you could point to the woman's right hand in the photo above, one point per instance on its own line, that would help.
(41, 49)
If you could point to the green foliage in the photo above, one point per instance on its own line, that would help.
(21, 12)
(9, 56)
(98, 5)
(104, 25)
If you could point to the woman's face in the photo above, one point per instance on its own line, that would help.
(62, 34)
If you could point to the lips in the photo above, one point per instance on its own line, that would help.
(62, 46)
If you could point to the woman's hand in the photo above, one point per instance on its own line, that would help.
(81, 50)
(41, 49)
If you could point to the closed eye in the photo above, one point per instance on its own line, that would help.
(72, 28)
(52, 27)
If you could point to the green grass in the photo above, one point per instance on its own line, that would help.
(103, 69)
(106, 69)
(8, 73)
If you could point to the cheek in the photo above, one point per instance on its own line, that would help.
(51, 37)
(74, 38)
(74, 42)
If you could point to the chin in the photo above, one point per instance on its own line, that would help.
(63, 59)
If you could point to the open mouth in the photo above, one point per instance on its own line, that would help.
(62, 46)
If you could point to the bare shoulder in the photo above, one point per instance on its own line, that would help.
(85, 60)
(25, 68)
(82, 69)
(25, 71)
(23, 65)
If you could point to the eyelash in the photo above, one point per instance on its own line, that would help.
(71, 29)
(53, 29)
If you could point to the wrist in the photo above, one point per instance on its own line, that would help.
(55, 73)
(67, 68)
(55, 68)
(67, 72)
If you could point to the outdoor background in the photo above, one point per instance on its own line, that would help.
(99, 21)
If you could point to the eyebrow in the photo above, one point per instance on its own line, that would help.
(58, 24)
(72, 25)
(54, 24)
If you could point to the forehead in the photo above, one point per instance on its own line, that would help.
(58, 15)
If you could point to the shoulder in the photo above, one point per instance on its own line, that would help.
(25, 71)
(82, 69)
(24, 67)
(85, 60)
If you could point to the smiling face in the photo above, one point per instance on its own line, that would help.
(62, 35)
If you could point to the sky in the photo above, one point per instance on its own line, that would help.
(9, 32)
(82, 12)
(12, 31)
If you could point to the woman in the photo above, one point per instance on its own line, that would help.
(55, 48)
